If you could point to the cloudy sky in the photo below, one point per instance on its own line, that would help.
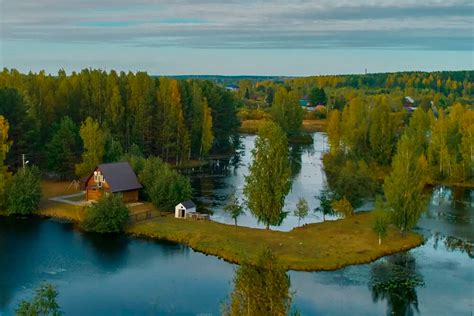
(275, 37)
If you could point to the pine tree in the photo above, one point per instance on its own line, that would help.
(268, 182)
(62, 150)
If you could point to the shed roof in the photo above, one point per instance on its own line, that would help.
(188, 204)
(119, 176)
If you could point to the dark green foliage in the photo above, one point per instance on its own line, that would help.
(129, 106)
(260, 290)
(108, 215)
(225, 123)
(318, 96)
(349, 179)
(113, 150)
(24, 193)
(325, 198)
(270, 94)
(63, 149)
(43, 303)
(164, 186)
(23, 128)
(395, 280)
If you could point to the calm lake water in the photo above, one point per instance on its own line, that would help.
(118, 275)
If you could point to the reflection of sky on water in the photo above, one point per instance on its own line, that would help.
(103, 275)
(212, 189)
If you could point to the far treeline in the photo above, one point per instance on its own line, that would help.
(438, 89)
(53, 119)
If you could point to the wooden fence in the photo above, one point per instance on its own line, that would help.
(143, 216)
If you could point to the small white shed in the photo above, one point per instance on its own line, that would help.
(182, 208)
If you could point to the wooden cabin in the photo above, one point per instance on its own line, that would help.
(115, 177)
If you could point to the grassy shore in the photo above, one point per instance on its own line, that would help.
(314, 247)
(309, 126)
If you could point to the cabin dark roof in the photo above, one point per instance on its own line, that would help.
(119, 176)
(188, 204)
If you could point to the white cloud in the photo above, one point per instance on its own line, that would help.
(246, 24)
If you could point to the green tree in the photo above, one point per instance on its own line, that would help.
(301, 210)
(24, 193)
(5, 176)
(268, 182)
(404, 187)
(325, 198)
(261, 289)
(317, 96)
(343, 207)
(62, 149)
(286, 111)
(108, 215)
(164, 186)
(234, 208)
(467, 142)
(43, 303)
(93, 139)
(381, 133)
(113, 150)
(207, 136)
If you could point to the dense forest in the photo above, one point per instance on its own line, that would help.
(53, 119)
(440, 88)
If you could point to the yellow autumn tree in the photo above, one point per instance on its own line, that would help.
(5, 144)
(207, 136)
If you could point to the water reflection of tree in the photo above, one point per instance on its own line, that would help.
(395, 280)
(261, 289)
(296, 152)
(453, 243)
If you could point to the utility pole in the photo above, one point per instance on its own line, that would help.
(25, 162)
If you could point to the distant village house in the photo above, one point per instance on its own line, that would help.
(112, 178)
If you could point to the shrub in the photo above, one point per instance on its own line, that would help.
(108, 215)
(343, 207)
(24, 193)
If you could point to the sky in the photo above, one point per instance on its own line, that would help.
(259, 37)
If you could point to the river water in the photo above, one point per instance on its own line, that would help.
(119, 275)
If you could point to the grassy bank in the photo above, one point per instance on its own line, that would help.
(322, 246)
(309, 126)
(314, 247)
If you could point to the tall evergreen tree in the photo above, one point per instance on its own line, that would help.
(62, 150)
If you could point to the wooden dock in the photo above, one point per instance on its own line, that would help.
(198, 216)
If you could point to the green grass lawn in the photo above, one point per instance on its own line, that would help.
(322, 246)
